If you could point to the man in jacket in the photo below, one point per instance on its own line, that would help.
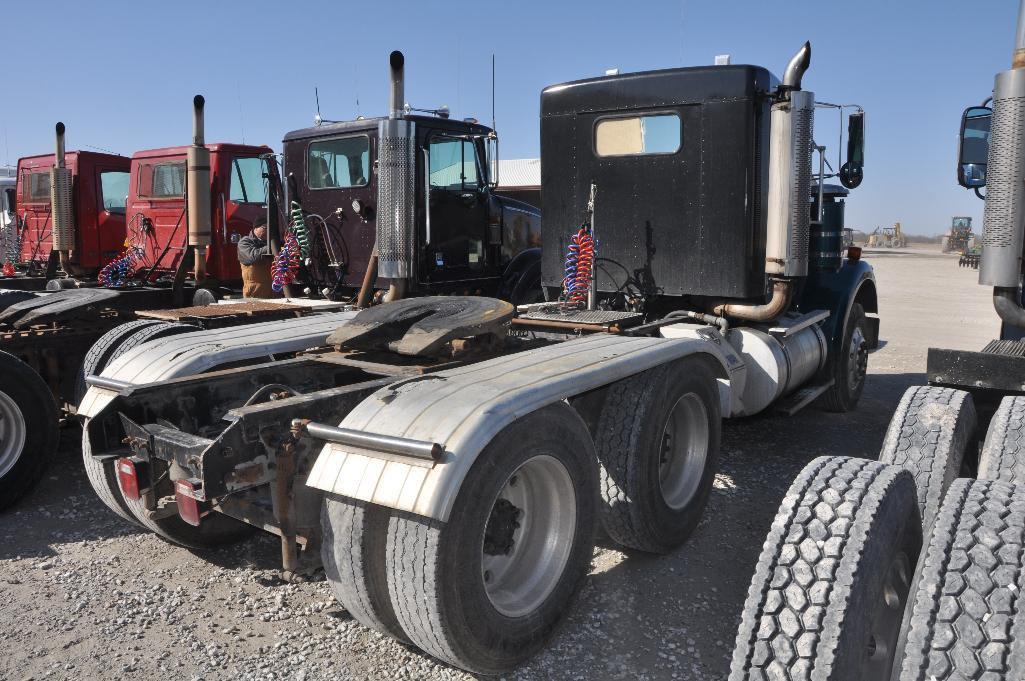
(255, 257)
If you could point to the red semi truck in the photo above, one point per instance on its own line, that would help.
(99, 188)
(157, 208)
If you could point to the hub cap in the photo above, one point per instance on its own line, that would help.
(684, 450)
(12, 433)
(886, 619)
(857, 359)
(529, 536)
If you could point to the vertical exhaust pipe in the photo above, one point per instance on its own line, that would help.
(198, 190)
(60, 205)
(398, 84)
(1000, 265)
(396, 191)
(788, 218)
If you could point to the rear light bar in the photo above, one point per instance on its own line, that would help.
(133, 476)
(188, 506)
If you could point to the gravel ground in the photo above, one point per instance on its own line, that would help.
(88, 596)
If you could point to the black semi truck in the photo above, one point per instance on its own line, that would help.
(447, 458)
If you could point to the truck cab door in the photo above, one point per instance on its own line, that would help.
(455, 229)
(110, 217)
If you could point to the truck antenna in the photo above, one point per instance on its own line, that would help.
(493, 92)
(317, 120)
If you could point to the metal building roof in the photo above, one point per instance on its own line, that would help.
(519, 173)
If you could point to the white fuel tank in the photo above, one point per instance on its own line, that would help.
(776, 364)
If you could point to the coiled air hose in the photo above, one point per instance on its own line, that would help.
(286, 266)
(300, 231)
(118, 271)
(579, 265)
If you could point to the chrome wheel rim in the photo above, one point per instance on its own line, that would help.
(529, 536)
(857, 359)
(683, 452)
(12, 433)
(886, 621)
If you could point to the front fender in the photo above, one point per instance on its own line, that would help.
(464, 408)
(854, 282)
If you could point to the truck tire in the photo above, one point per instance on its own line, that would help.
(850, 367)
(658, 450)
(968, 613)
(103, 479)
(111, 345)
(928, 436)
(100, 353)
(353, 552)
(28, 428)
(1003, 452)
(827, 597)
(484, 591)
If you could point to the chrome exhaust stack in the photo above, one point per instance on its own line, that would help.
(396, 189)
(60, 205)
(1000, 265)
(198, 190)
(788, 218)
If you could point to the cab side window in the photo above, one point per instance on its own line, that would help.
(454, 164)
(114, 190)
(248, 184)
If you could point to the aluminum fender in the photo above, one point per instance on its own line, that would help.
(193, 353)
(464, 408)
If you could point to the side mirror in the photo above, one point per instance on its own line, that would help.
(492, 152)
(852, 172)
(973, 147)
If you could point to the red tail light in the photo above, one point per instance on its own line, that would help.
(854, 252)
(132, 476)
(188, 507)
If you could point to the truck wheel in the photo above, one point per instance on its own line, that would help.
(101, 352)
(111, 345)
(1003, 453)
(928, 436)
(850, 367)
(28, 428)
(658, 446)
(829, 589)
(353, 551)
(486, 589)
(968, 612)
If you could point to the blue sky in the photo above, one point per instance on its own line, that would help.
(121, 74)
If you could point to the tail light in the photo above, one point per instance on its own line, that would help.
(188, 506)
(133, 476)
(854, 252)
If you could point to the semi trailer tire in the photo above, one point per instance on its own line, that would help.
(103, 479)
(658, 450)
(1003, 452)
(828, 594)
(28, 428)
(355, 536)
(100, 353)
(111, 345)
(849, 367)
(967, 618)
(485, 590)
(929, 435)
